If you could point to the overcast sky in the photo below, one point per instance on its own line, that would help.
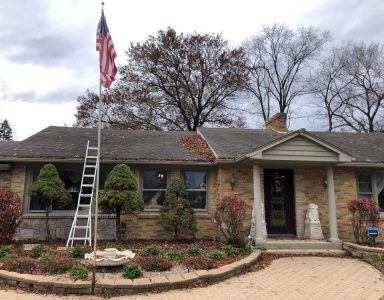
(48, 56)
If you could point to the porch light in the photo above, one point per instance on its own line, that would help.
(160, 176)
(232, 181)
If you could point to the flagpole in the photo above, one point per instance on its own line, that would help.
(97, 182)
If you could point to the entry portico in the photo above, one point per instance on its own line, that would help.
(274, 210)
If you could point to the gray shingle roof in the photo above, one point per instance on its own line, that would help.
(67, 142)
(232, 142)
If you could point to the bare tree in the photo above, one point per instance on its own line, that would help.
(277, 61)
(350, 83)
(174, 82)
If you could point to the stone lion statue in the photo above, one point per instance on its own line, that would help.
(312, 215)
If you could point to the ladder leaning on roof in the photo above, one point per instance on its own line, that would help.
(80, 231)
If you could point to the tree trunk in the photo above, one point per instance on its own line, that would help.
(47, 223)
(174, 232)
(118, 226)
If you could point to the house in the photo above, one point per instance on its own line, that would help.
(278, 173)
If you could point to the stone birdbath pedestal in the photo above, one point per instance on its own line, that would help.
(110, 257)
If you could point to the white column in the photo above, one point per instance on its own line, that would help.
(257, 216)
(333, 235)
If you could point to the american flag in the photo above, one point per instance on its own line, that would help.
(107, 53)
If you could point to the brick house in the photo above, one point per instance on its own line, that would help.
(278, 173)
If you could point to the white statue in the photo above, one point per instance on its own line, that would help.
(312, 215)
(312, 226)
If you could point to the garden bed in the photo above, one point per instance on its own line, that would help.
(153, 258)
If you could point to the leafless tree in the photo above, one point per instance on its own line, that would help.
(350, 84)
(277, 61)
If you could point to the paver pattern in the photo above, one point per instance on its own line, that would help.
(286, 278)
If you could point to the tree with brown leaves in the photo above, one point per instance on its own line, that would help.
(173, 82)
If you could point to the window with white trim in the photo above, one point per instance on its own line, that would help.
(196, 183)
(154, 184)
(371, 186)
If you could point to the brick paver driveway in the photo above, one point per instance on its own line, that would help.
(286, 278)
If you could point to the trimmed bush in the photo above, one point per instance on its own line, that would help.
(77, 251)
(37, 251)
(216, 254)
(200, 263)
(79, 272)
(175, 255)
(132, 271)
(176, 214)
(154, 263)
(229, 216)
(45, 256)
(151, 250)
(194, 251)
(10, 215)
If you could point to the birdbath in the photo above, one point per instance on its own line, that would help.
(110, 257)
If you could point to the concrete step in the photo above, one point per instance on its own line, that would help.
(307, 252)
(300, 244)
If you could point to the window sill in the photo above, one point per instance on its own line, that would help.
(62, 215)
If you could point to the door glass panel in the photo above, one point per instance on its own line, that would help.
(278, 217)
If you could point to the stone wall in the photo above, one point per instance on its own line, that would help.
(5, 179)
(33, 227)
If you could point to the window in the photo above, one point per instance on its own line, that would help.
(71, 179)
(371, 186)
(364, 186)
(154, 183)
(196, 183)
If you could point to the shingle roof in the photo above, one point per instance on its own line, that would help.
(234, 142)
(67, 142)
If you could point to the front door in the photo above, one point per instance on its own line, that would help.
(279, 201)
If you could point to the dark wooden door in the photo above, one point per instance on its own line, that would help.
(279, 201)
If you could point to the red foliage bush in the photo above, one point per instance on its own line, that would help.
(154, 263)
(19, 265)
(229, 216)
(365, 213)
(200, 263)
(55, 265)
(10, 215)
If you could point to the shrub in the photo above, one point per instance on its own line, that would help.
(120, 195)
(19, 265)
(229, 250)
(175, 255)
(56, 265)
(176, 214)
(37, 251)
(365, 213)
(114, 245)
(229, 216)
(77, 251)
(200, 263)
(132, 271)
(51, 190)
(194, 251)
(154, 263)
(45, 256)
(10, 256)
(216, 254)
(78, 272)
(151, 250)
(10, 215)
(6, 250)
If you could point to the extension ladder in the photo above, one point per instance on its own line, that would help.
(81, 225)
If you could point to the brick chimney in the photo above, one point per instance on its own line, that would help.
(277, 122)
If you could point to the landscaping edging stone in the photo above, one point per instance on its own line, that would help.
(362, 251)
(128, 286)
